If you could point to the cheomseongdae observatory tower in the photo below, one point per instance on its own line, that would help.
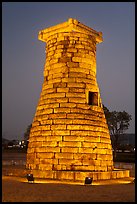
(69, 138)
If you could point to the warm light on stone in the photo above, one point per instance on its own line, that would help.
(69, 130)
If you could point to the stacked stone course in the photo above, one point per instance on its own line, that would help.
(68, 133)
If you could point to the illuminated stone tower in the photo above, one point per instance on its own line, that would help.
(69, 138)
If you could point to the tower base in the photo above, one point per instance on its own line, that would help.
(79, 176)
(70, 177)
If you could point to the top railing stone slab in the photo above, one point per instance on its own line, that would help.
(69, 26)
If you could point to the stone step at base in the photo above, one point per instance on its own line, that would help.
(68, 176)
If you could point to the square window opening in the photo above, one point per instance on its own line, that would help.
(93, 98)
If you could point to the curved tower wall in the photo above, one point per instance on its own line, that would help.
(69, 129)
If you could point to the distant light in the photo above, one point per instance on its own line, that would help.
(88, 180)
(30, 178)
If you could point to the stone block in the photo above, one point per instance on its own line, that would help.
(68, 80)
(67, 54)
(119, 174)
(73, 38)
(71, 50)
(48, 149)
(64, 175)
(59, 75)
(53, 105)
(59, 50)
(105, 175)
(73, 138)
(58, 55)
(53, 137)
(89, 144)
(101, 169)
(83, 106)
(84, 156)
(63, 155)
(48, 161)
(60, 46)
(45, 167)
(35, 144)
(79, 70)
(113, 175)
(52, 81)
(50, 54)
(31, 150)
(86, 150)
(58, 65)
(60, 132)
(75, 115)
(49, 144)
(87, 66)
(62, 121)
(85, 168)
(83, 51)
(69, 149)
(93, 139)
(77, 100)
(55, 95)
(109, 151)
(80, 176)
(82, 133)
(76, 59)
(89, 162)
(64, 59)
(47, 111)
(76, 85)
(67, 105)
(53, 61)
(45, 127)
(72, 64)
(65, 161)
(76, 90)
(76, 74)
(57, 115)
(79, 110)
(105, 140)
(62, 90)
(61, 110)
(58, 127)
(73, 95)
(100, 151)
(46, 174)
(60, 38)
(43, 155)
(47, 86)
(69, 144)
(58, 70)
(104, 157)
(38, 138)
(61, 85)
(83, 80)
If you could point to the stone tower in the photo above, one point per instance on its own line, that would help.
(69, 133)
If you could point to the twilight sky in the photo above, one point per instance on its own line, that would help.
(23, 56)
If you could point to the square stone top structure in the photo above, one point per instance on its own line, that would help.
(70, 26)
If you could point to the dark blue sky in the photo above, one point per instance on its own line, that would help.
(23, 56)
